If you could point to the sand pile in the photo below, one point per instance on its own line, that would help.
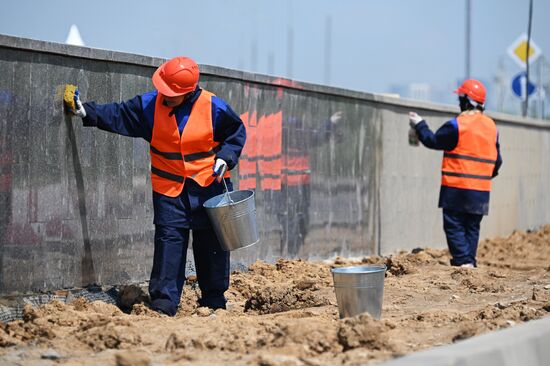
(286, 314)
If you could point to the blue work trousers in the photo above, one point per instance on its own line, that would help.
(462, 232)
(168, 274)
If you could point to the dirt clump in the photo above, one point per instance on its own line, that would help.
(363, 331)
(466, 331)
(107, 333)
(131, 295)
(276, 299)
(132, 358)
(279, 289)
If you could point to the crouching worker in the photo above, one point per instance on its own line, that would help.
(471, 159)
(195, 139)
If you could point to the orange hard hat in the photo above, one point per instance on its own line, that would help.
(473, 89)
(176, 77)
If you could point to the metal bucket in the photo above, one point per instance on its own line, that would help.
(359, 289)
(233, 216)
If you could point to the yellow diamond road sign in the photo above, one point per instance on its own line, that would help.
(518, 51)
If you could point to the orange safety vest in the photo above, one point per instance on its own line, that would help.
(296, 167)
(470, 165)
(191, 155)
(261, 156)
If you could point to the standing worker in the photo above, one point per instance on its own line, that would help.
(471, 159)
(195, 138)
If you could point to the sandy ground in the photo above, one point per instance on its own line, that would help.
(286, 314)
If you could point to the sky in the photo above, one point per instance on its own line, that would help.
(363, 45)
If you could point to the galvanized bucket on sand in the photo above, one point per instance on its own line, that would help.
(359, 289)
(233, 216)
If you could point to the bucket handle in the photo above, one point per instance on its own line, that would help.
(227, 192)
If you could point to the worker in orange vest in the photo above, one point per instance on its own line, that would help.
(195, 139)
(471, 159)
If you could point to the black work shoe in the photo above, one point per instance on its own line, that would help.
(163, 306)
(214, 305)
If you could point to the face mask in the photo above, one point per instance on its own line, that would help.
(465, 104)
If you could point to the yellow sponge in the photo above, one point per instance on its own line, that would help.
(68, 96)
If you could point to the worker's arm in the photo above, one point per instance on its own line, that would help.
(229, 131)
(126, 118)
(499, 160)
(445, 138)
(330, 127)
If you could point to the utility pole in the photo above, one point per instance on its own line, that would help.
(254, 56)
(289, 52)
(500, 83)
(526, 104)
(289, 43)
(468, 27)
(541, 90)
(328, 51)
(271, 63)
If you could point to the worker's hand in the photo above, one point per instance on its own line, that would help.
(414, 119)
(336, 117)
(80, 111)
(220, 167)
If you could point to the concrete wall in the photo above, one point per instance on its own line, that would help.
(76, 202)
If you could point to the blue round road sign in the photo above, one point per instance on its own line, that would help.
(518, 85)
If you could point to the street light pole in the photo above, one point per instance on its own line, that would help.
(526, 104)
(328, 51)
(467, 40)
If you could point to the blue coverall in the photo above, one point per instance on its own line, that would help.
(175, 217)
(463, 209)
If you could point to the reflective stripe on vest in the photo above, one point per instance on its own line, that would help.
(191, 155)
(296, 169)
(470, 165)
(186, 158)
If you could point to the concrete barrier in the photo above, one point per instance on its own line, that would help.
(526, 344)
(76, 202)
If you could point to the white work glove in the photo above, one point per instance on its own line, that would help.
(414, 119)
(80, 111)
(336, 117)
(220, 167)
